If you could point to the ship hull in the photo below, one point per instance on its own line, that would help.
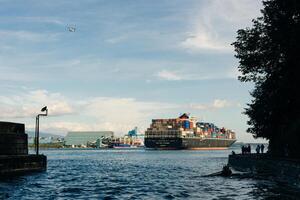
(188, 143)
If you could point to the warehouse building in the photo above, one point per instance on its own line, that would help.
(83, 138)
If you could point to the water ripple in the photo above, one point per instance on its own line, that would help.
(137, 174)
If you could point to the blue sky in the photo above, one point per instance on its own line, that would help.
(126, 63)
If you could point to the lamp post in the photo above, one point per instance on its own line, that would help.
(37, 127)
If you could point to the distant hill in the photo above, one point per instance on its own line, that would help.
(43, 134)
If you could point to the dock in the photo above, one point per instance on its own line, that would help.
(14, 157)
(14, 165)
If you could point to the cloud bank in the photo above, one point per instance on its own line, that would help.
(93, 113)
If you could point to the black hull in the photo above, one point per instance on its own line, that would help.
(188, 143)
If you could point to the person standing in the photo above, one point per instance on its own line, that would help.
(257, 149)
(243, 149)
(262, 146)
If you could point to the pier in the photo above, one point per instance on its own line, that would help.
(14, 165)
(14, 157)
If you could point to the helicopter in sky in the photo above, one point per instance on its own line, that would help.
(71, 28)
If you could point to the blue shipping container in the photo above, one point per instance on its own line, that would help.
(186, 124)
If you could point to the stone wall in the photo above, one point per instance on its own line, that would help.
(262, 164)
(13, 140)
(21, 164)
(14, 158)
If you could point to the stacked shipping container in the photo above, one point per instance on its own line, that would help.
(186, 127)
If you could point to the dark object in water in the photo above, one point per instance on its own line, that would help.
(226, 172)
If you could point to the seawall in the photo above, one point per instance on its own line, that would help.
(283, 169)
(14, 165)
(14, 158)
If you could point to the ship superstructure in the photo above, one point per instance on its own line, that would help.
(185, 132)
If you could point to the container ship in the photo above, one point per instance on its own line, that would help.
(185, 132)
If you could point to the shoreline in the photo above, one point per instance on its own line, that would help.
(279, 168)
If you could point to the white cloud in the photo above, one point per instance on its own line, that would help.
(42, 67)
(92, 113)
(40, 19)
(120, 114)
(215, 25)
(27, 36)
(216, 104)
(63, 127)
(196, 74)
(203, 38)
(235, 11)
(220, 103)
(15, 75)
(29, 104)
(32, 19)
(169, 75)
(116, 40)
(198, 106)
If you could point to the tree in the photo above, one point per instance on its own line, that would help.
(268, 55)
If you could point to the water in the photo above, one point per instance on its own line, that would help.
(138, 174)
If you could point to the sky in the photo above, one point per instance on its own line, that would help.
(127, 63)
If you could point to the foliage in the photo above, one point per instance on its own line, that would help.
(268, 55)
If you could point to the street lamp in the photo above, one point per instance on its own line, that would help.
(37, 127)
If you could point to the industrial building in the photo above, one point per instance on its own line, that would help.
(83, 138)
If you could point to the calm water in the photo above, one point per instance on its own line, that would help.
(138, 174)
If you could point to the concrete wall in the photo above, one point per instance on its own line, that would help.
(14, 158)
(21, 164)
(283, 169)
(13, 140)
